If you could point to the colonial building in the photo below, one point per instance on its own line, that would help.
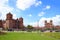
(11, 23)
(49, 25)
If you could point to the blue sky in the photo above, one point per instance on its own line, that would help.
(32, 10)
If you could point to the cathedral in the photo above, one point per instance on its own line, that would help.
(11, 23)
(49, 25)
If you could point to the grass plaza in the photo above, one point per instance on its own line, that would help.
(31, 36)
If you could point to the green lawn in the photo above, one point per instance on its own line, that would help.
(30, 36)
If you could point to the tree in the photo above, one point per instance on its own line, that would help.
(29, 27)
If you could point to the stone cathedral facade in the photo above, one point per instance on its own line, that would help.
(11, 23)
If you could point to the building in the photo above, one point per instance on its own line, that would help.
(1, 25)
(49, 25)
(11, 23)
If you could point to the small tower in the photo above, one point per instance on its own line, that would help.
(21, 19)
(9, 16)
(51, 22)
(21, 23)
(45, 22)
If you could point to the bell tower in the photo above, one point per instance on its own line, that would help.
(21, 22)
(45, 22)
(9, 16)
(51, 22)
(9, 20)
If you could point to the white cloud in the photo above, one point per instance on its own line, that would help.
(0, 14)
(38, 3)
(24, 4)
(30, 15)
(14, 16)
(47, 7)
(34, 24)
(56, 21)
(2, 2)
(41, 13)
(4, 8)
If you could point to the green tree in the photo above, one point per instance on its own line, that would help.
(29, 27)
